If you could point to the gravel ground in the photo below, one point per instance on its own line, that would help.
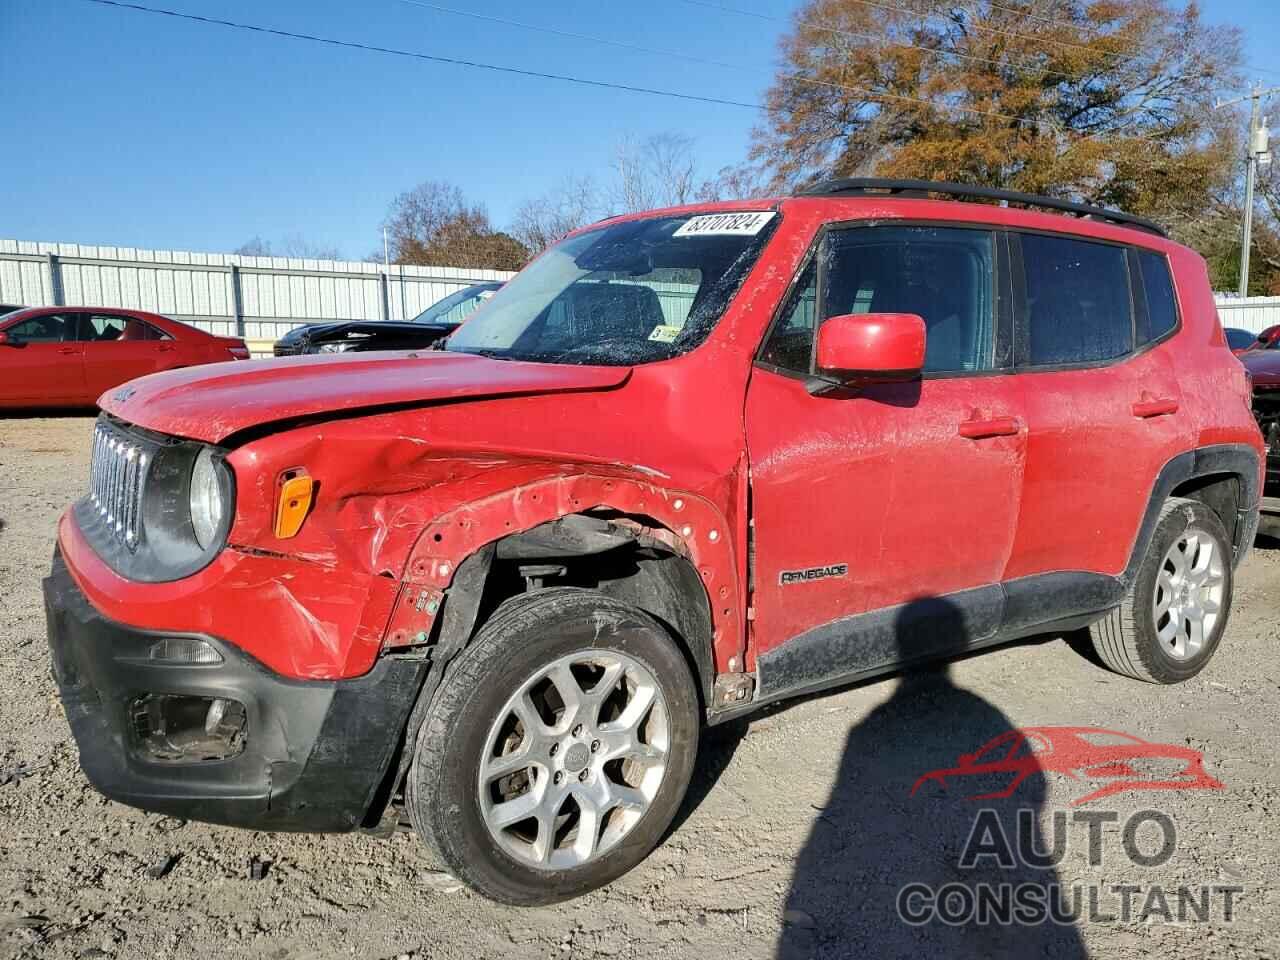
(799, 832)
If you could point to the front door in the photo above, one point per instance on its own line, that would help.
(42, 363)
(883, 520)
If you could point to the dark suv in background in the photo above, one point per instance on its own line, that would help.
(344, 336)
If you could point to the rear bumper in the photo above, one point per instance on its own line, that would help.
(315, 753)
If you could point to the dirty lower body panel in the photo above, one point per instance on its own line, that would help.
(190, 726)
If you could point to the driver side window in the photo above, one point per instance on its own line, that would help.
(49, 328)
(945, 275)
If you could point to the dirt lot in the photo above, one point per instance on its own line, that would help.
(799, 834)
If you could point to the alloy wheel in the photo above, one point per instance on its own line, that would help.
(574, 758)
(1189, 589)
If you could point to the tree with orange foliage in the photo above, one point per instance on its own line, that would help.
(1108, 101)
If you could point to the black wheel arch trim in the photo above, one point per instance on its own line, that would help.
(1235, 459)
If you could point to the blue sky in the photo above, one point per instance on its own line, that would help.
(132, 129)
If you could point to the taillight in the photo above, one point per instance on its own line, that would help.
(239, 353)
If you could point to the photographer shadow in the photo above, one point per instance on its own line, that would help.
(886, 827)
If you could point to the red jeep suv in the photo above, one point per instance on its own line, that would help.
(686, 463)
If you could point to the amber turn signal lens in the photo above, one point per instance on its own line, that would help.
(293, 503)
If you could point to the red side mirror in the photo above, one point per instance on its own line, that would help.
(4, 338)
(1269, 335)
(877, 347)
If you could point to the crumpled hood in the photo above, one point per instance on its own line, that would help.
(1264, 365)
(214, 401)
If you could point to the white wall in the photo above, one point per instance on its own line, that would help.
(273, 294)
(1254, 314)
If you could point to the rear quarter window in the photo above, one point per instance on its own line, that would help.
(1162, 304)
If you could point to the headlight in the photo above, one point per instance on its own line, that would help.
(160, 508)
(208, 505)
(339, 347)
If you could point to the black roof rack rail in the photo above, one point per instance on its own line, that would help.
(872, 186)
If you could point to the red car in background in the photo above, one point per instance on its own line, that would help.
(1262, 360)
(70, 356)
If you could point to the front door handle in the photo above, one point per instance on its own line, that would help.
(68, 349)
(166, 347)
(1147, 408)
(997, 427)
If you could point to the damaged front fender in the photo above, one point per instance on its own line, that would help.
(394, 519)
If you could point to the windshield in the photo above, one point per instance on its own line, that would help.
(627, 293)
(454, 308)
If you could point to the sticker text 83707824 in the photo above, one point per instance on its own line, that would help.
(725, 224)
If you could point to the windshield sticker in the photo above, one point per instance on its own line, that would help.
(665, 333)
(726, 225)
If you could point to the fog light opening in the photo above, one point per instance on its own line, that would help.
(176, 729)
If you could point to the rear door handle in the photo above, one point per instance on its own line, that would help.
(1162, 407)
(68, 349)
(166, 347)
(998, 427)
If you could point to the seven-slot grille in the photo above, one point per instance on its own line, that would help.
(116, 474)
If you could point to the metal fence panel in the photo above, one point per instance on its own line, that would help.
(1254, 314)
(275, 294)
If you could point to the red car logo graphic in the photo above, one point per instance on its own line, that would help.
(1082, 753)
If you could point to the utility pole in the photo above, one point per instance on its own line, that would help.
(1259, 154)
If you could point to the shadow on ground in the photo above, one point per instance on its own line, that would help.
(873, 838)
(1265, 542)
(715, 752)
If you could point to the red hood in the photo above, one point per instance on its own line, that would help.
(1264, 365)
(212, 402)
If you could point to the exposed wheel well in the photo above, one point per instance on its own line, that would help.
(628, 558)
(1220, 492)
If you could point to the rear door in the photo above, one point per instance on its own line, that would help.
(898, 492)
(119, 347)
(1103, 404)
(43, 363)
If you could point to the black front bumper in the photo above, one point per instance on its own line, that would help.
(316, 754)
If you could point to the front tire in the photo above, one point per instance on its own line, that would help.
(1174, 613)
(557, 749)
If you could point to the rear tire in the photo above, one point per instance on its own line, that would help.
(557, 749)
(1172, 617)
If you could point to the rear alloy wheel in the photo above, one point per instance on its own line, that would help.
(557, 749)
(1187, 601)
(1174, 613)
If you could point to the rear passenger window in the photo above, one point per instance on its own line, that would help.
(102, 327)
(942, 274)
(1079, 309)
(1162, 304)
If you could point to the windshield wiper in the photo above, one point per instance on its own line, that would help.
(483, 352)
